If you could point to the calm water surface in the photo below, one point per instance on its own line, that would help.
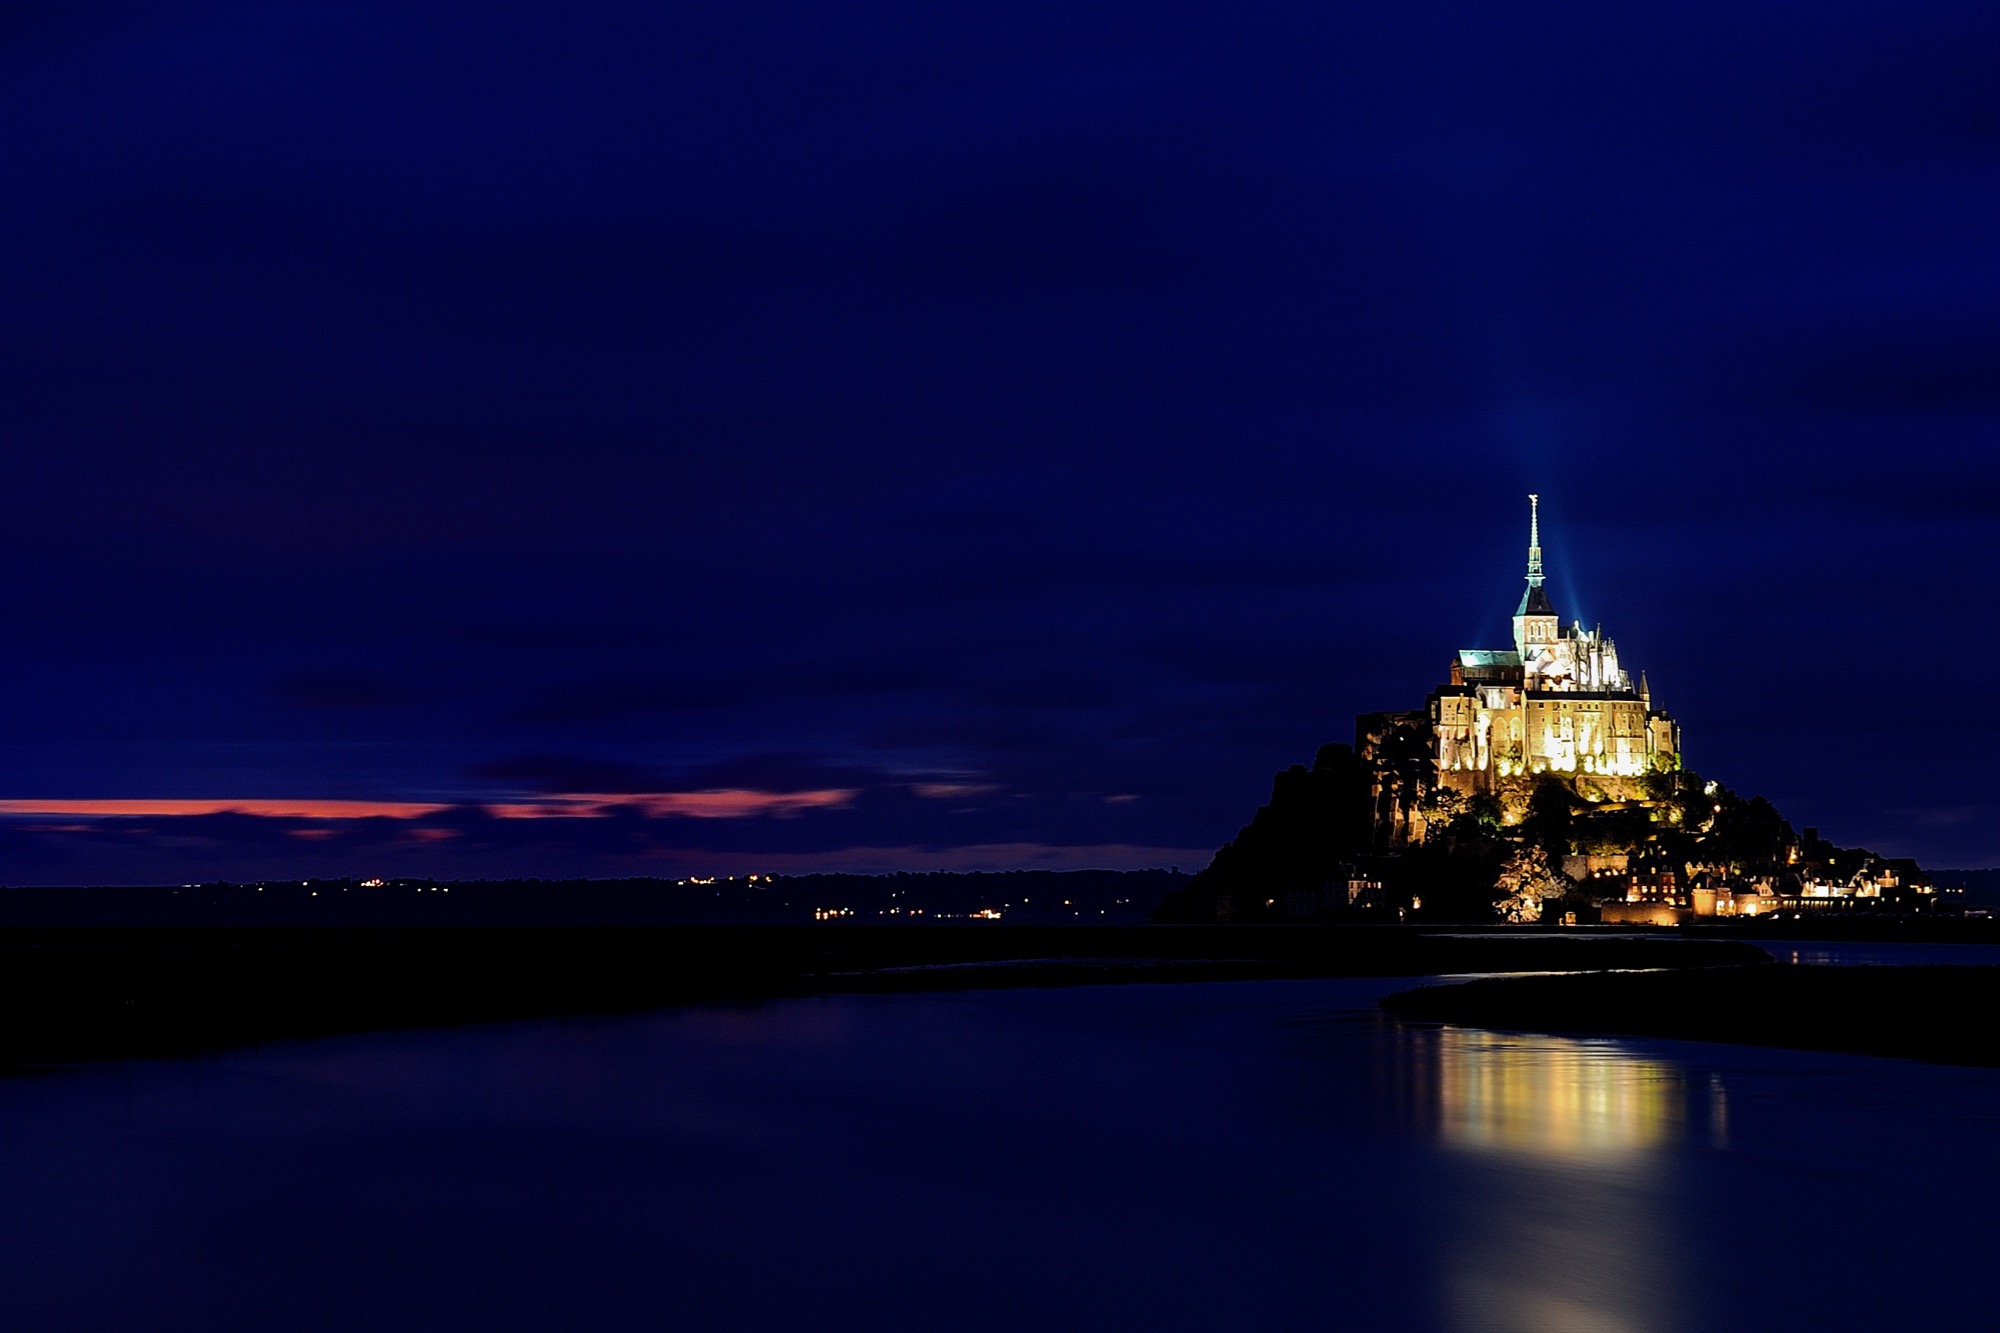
(1213, 1156)
(1823, 952)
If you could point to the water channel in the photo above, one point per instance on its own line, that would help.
(1199, 1156)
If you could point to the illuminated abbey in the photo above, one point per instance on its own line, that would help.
(1537, 783)
(1556, 702)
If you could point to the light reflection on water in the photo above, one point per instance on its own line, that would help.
(1267, 1155)
(1558, 1215)
(1841, 953)
(1553, 1097)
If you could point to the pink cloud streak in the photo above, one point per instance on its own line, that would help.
(720, 803)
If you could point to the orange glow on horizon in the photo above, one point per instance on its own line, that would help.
(945, 791)
(721, 803)
(265, 807)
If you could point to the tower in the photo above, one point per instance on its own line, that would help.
(1536, 625)
(1558, 703)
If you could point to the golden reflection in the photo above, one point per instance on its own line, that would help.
(1559, 1203)
(1554, 1097)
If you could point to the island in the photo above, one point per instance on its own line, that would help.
(1539, 784)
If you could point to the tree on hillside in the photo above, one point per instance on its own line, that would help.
(1751, 834)
(1526, 881)
(1549, 817)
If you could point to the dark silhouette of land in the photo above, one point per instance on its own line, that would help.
(1939, 1014)
(1046, 897)
(81, 992)
(106, 973)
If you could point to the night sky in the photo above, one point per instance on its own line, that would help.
(650, 439)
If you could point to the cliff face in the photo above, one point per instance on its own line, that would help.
(1394, 750)
(1349, 838)
(1305, 840)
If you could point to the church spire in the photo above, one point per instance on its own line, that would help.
(1534, 541)
(1535, 602)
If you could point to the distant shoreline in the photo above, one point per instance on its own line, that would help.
(98, 993)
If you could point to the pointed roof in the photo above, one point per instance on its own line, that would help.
(1534, 602)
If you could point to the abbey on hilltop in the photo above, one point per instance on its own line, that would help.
(1538, 783)
(1557, 702)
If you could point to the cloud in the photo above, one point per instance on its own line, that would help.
(714, 803)
(560, 772)
(708, 803)
(340, 691)
(1020, 399)
(1901, 366)
(467, 842)
(1921, 97)
(613, 700)
(261, 807)
(951, 791)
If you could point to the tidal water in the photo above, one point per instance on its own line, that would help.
(1262, 1155)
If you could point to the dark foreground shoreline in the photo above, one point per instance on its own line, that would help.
(1944, 1015)
(105, 993)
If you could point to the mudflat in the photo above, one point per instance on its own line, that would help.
(1941, 1014)
(99, 993)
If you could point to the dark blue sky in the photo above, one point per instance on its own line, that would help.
(960, 434)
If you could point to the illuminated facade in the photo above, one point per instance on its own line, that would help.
(1556, 702)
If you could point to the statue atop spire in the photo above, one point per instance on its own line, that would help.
(1534, 540)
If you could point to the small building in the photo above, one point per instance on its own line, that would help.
(1653, 897)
